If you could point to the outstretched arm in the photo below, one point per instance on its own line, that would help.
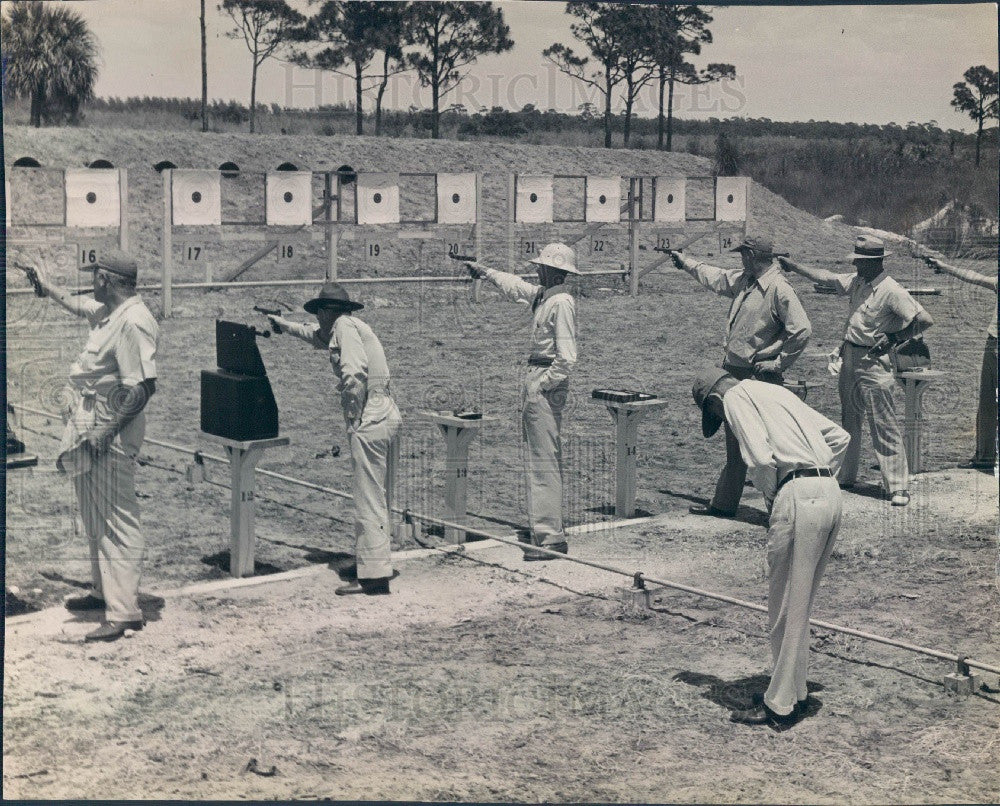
(827, 279)
(719, 280)
(512, 286)
(966, 275)
(77, 305)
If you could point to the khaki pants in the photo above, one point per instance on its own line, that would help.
(986, 417)
(805, 519)
(729, 487)
(374, 451)
(866, 387)
(110, 514)
(541, 420)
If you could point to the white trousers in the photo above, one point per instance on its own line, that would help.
(805, 519)
(541, 420)
(109, 510)
(374, 452)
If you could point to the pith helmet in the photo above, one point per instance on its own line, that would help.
(558, 256)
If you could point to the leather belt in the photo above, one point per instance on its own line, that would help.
(539, 361)
(805, 471)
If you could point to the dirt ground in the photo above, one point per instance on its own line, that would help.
(485, 678)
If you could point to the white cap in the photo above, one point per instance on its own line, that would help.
(558, 256)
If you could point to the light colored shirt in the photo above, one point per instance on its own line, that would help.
(778, 434)
(876, 309)
(766, 320)
(553, 324)
(357, 359)
(120, 352)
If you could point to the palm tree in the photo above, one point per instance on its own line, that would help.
(50, 56)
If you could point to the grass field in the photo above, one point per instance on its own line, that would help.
(475, 681)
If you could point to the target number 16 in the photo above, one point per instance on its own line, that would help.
(88, 257)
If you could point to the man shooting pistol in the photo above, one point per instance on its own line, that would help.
(270, 313)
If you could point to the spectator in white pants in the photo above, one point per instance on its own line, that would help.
(372, 420)
(546, 387)
(792, 454)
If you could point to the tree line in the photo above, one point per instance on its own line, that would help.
(50, 57)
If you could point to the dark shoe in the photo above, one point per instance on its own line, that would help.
(762, 715)
(370, 587)
(703, 509)
(531, 556)
(113, 630)
(81, 603)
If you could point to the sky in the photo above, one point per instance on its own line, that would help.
(866, 64)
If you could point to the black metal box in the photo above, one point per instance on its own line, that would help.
(239, 407)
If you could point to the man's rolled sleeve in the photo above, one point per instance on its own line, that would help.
(721, 281)
(839, 283)
(904, 306)
(513, 287)
(135, 353)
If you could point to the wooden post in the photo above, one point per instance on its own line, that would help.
(511, 190)
(332, 232)
(633, 240)
(243, 457)
(626, 417)
(477, 285)
(456, 493)
(123, 209)
(914, 386)
(167, 243)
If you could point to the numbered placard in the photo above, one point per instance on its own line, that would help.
(729, 239)
(534, 199)
(670, 199)
(194, 252)
(731, 198)
(599, 245)
(529, 248)
(288, 198)
(667, 238)
(93, 197)
(377, 199)
(288, 251)
(456, 198)
(453, 246)
(197, 197)
(86, 255)
(604, 198)
(373, 249)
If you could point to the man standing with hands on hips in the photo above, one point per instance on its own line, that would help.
(767, 330)
(109, 386)
(793, 454)
(546, 387)
(372, 419)
(881, 313)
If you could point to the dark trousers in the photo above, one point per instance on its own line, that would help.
(986, 417)
(729, 487)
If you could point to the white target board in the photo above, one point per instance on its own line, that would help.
(456, 198)
(93, 197)
(377, 199)
(604, 199)
(670, 199)
(288, 198)
(197, 197)
(534, 199)
(731, 198)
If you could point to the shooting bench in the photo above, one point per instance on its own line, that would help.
(458, 435)
(243, 458)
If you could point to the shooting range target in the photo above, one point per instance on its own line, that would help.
(670, 199)
(288, 198)
(534, 199)
(93, 198)
(731, 198)
(456, 198)
(197, 197)
(604, 198)
(377, 198)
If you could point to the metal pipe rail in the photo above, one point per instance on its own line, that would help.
(512, 540)
(826, 625)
